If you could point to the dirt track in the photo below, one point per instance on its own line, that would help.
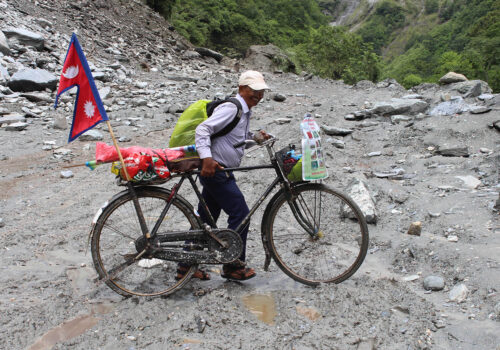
(48, 298)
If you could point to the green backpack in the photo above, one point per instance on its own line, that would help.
(196, 113)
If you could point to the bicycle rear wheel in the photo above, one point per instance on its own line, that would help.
(323, 240)
(114, 250)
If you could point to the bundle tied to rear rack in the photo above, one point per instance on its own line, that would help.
(148, 164)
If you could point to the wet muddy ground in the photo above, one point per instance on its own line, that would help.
(49, 298)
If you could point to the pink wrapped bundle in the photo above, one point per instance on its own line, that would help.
(105, 153)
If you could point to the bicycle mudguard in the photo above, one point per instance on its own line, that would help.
(265, 219)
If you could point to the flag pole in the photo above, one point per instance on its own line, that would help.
(74, 165)
(118, 150)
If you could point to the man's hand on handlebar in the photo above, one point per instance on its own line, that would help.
(258, 139)
(261, 136)
(209, 166)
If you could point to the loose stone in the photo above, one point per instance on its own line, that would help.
(411, 278)
(279, 97)
(453, 151)
(66, 174)
(479, 109)
(433, 283)
(280, 121)
(91, 135)
(459, 293)
(337, 143)
(334, 131)
(470, 181)
(415, 228)
(19, 126)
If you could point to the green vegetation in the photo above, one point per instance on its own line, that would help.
(388, 16)
(467, 41)
(411, 41)
(332, 52)
(234, 25)
(296, 26)
(431, 6)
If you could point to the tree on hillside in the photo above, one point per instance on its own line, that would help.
(333, 52)
(163, 7)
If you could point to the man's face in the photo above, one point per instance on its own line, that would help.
(252, 97)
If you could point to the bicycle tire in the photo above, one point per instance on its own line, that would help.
(112, 243)
(338, 249)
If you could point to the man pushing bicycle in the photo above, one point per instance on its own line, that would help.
(220, 190)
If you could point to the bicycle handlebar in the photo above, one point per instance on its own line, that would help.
(253, 143)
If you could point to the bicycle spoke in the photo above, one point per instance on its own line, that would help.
(114, 229)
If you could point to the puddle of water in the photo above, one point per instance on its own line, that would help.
(262, 306)
(65, 331)
(309, 312)
(191, 341)
(71, 328)
(101, 309)
(81, 279)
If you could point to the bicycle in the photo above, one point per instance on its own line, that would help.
(314, 233)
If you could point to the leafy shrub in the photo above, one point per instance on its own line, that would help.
(333, 52)
(431, 6)
(451, 61)
(411, 80)
(493, 77)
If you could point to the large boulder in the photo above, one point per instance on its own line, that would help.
(29, 79)
(209, 53)
(471, 88)
(359, 192)
(4, 45)
(456, 105)
(452, 77)
(400, 106)
(268, 58)
(24, 37)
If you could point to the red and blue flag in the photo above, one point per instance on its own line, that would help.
(89, 110)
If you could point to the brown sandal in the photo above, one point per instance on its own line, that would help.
(238, 274)
(200, 274)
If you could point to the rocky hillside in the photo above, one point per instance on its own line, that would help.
(346, 12)
(422, 164)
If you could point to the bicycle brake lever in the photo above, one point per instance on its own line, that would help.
(245, 143)
(253, 143)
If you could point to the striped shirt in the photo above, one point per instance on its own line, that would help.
(221, 148)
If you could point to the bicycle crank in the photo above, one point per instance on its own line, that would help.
(231, 248)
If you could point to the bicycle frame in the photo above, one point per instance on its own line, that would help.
(279, 179)
(190, 177)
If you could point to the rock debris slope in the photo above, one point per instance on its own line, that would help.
(423, 164)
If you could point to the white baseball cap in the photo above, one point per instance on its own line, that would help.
(253, 79)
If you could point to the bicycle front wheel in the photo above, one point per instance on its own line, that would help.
(114, 238)
(319, 236)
